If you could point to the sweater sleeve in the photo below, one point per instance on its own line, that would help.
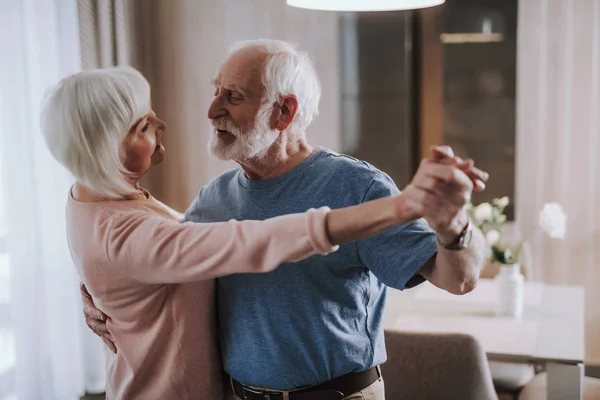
(152, 249)
(174, 213)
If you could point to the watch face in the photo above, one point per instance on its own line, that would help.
(468, 235)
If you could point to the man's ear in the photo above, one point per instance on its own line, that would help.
(284, 112)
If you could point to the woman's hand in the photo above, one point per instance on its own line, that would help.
(438, 192)
(445, 155)
(441, 189)
(96, 319)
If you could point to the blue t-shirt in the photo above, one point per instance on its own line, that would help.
(310, 321)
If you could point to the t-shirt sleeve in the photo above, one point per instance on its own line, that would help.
(396, 255)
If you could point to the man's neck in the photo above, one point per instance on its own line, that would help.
(283, 156)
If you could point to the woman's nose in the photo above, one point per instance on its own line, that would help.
(160, 124)
(160, 127)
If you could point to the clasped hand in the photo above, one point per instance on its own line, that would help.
(441, 189)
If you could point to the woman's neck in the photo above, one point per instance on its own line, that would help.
(83, 194)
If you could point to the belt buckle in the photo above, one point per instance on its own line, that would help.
(265, 394)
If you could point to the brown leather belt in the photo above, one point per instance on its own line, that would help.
(335, 389)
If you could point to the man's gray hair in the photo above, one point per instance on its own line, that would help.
(85, 119)
(288, 71)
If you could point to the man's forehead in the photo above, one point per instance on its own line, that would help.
(237, 84)
(242, 68)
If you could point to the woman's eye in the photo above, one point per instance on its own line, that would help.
(145, 128)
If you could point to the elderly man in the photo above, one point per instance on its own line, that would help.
(313, 329)
(311, 325)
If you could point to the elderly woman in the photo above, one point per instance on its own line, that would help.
(150, 274)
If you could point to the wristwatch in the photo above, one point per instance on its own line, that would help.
(462, 241)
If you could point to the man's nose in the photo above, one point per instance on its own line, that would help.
(216, 108)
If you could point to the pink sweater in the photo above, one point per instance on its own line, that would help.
(153, 277)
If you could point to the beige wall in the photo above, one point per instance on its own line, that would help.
(558, 142)
(184, 42)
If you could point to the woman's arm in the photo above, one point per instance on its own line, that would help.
(174, 213)
(156, 250)
(340, 226)
(153, 249)
(353, 223)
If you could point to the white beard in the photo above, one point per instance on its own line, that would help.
(246, 145)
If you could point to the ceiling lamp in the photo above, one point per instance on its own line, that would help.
(363, 5)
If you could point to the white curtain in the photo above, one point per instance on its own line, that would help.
(558, 143)
(45, 350)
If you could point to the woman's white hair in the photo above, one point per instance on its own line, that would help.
(288, 71)
(85, 119)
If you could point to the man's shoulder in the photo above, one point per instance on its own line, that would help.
(216, 189)
(338, 163)
(344, 161)
(348, 170)
(221, 181)
(224, 177)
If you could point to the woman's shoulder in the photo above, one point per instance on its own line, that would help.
(98, 219)
(95, 231)
(119, 209)
(168, 211)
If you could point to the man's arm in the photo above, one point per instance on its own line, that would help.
(442, 187)
(96, 319)
(405, 256)
(457, 271)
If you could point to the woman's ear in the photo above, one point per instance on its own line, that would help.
(285, 111)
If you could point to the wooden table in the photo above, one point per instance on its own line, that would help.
(550, 332)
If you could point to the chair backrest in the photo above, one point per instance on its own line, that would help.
(436, 366)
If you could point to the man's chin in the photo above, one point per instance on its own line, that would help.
(220, 156)
(220, 151)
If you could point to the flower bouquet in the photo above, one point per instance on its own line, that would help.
(490, 219)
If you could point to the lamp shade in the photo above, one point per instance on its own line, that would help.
(363, 5)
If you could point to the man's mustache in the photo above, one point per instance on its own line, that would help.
(226, 124)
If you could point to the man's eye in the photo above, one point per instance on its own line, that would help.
(235, 98)
(145, 128)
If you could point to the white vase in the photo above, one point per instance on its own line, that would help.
(509, 286)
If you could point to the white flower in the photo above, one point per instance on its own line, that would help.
(483, 212)
(553, 220)
(492, 237)
(503, 202)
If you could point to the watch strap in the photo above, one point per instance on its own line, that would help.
(461, 242)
